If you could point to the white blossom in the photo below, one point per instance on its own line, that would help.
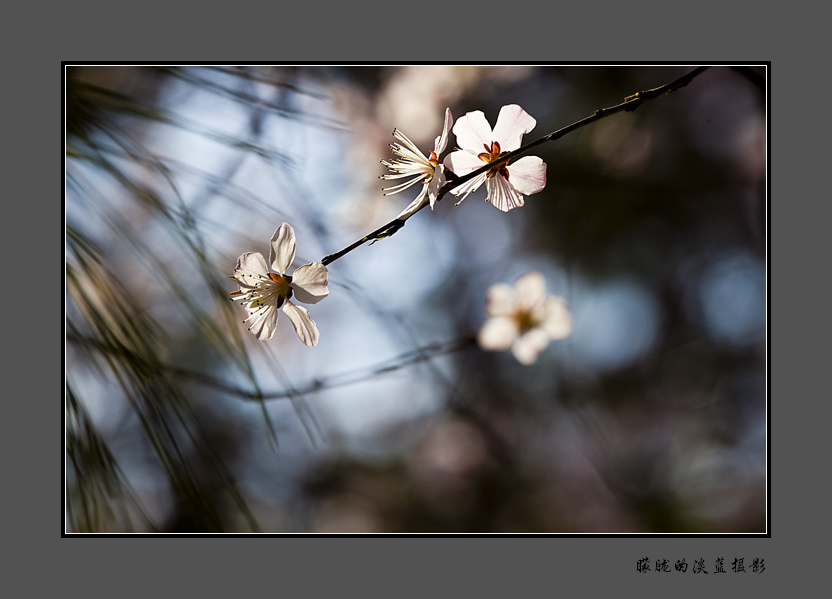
(262, 292)
(412, 163)
(507, 183)
(523, 318)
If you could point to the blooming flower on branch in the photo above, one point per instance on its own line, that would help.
(523, 318)
(412, 163)
(262, 292)
(507, 183)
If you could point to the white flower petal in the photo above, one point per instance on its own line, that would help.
(497, 334)
(309, 283)
(305, 327)
(283, 248)
(499, 300)
(251, 268)
(512, 123)
(527, 175)
(435, 184)
(531, 289)
(442, 141)
(502, 195)
(414, 205)
(557, 320)
(462, 162)
(473, 132)
(528, 346)
(263, 321)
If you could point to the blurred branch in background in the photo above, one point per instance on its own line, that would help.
(651, 417)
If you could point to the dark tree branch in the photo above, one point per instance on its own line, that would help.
(629, 104)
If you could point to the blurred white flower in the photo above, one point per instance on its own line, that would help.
(508, 183)
(412, 163)
(263, 292)
(523, 318)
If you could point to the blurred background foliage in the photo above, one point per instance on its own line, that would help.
(650, 417)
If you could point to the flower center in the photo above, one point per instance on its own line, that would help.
(490, 155)
(434, 161)
(282, 287)
(524, 320)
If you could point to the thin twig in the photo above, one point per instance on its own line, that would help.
(401, 361)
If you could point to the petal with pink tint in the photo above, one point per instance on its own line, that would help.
(528, 175)
(473, 132)
(463, 162)
(512, 123)
(502, 195)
